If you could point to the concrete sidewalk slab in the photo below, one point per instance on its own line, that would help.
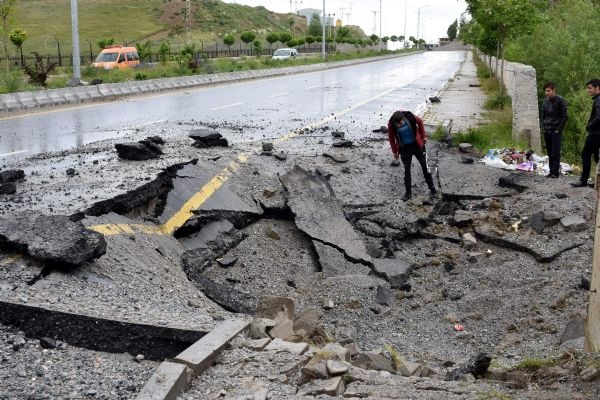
(201, 355)
(169, 380)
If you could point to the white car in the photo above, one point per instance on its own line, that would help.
(284, 54)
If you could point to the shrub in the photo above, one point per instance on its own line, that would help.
(38, 73)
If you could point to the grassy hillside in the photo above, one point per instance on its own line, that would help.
(46, 21)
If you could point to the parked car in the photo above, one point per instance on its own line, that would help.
(284, 54)
(117, 56)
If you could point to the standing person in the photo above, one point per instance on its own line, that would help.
(406, 133)
(592, 141)
(554, 118)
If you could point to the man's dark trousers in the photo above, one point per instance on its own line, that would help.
(590, 148)
(406, 154)
(553, 141)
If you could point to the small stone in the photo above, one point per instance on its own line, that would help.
(70, 171)
(227, 261)
(384, 296)
(267, 146)
(395, 163)
(18, 344)
(8, 188)
(139, 357)
(338, 134)
(573, 223)
(469, 241)
(465, 147)
(280, 155)
(342, 143)
(335, 368)
(328, 304)
(48, 343)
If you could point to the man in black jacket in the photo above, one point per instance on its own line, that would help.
(554, 118)
(592, 141)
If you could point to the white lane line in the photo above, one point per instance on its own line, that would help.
(313, 87)
(227, 106)
(279, 94)
(13, 153)
(160, 121)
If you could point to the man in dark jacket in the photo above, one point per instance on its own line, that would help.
(554, 118)
(592, 141)
(406, 133)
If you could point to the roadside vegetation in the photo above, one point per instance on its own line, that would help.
(558, 38)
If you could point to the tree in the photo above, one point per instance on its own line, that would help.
(7, 9)
(285, 37)
(343, 32)
(229, 39)
(394, 38)
(272, 38)
(164, 49)
(144, 50)
(315, 27)
(102, 43)
(385, 39)
(309, 40)
(500, 20)
(374, 39)
(415, 41)
(17, 37)
(257, 46)
(452, 31)
(38, 73)
(247, 37)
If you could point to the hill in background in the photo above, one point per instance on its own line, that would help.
(49, 21)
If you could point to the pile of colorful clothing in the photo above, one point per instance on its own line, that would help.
(512, 159)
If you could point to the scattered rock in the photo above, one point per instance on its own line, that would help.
(335, 368)
(275, 307)
(267, 146)
(227, 261)
(384, 296)
(395, 163)
(135, 151)
(573, 223)
(465, 147)
(466, 159)
(12, 175)
(574, 329)
(260, 327)
(331, 387)
(477, 365)
(328, 304)
(48, 343)
(469, 241)
(8, 188)
(537, 222)
(280, 155)
(435, 99)
(342, 143)
(338, 158)
(207, 138)
(338, 134)
(70, 171)
(156, 140)
(306, 323)
(373, 361)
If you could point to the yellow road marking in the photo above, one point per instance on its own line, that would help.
(199, 198)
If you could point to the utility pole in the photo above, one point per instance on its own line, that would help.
(323, 36)
(342, 9)
(75, 35)
(189, 21)
(379, 19)
(404, 41)
(592, 322)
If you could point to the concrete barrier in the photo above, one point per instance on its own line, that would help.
(520, 83)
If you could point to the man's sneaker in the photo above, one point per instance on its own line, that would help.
(406, 197)
(578, 184)
(552, 176)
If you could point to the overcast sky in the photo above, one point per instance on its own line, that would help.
(436, 15)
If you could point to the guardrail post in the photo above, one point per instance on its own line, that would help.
(592, 323)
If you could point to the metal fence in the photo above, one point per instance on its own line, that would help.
(65, 60)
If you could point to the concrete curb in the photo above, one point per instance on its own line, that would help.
(13, 102)
(173, 378)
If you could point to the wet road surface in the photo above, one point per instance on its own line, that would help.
(366, 92)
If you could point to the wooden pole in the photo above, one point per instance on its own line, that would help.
(592, 323)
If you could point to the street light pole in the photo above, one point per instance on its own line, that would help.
(75, 35)
(323, 37)
(379, 19)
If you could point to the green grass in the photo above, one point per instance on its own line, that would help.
(49, 21)
(535, 364)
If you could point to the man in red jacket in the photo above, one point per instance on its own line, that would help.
(406, 133)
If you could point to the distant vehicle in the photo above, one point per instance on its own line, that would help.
(284, 54)
(117, 56)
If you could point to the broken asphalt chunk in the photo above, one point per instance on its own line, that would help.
(8, 188)
(12, 175)
(207, 138)
(338, 158)
(395, 271)
(51, 238)
(338, 134)
(135, 151)
(342, 143)
(319, 214)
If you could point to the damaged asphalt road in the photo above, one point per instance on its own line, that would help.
(308, 228)
(198, 234)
